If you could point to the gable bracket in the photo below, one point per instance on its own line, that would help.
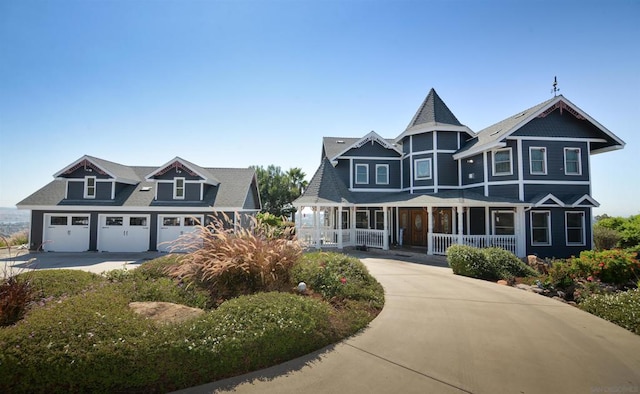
(85, 163)
(563, 107)
(178, 166)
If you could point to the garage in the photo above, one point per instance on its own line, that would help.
(66, 232)
(171, 227)
(123, 233)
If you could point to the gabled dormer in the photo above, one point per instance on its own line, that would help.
(370, 163)
(181, 181)
(90, 178)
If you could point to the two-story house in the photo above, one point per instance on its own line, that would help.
(522, 184)
(97, 205)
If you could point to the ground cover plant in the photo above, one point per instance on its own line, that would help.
(80, 335)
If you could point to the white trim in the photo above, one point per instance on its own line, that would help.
(560, 139)
(146, 209)
(493, 162)
(485, 173)
(375, 219)
(211, 181)
(430, 176)
(544, 159)
(567, 148)
(375, 190)
(58, 174)
(587, 197)
(430, 151)
(386, 182)
(425, 128)
(355, 174)
(113, 190)
(351, 174)
(86, 194)
(550, 196)
(175, 188)
(435, 161)
(549, 234)
(583, 227)
(520, 171)
(379, 158)
(373, 137)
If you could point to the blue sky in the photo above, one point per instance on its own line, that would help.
(239, 83)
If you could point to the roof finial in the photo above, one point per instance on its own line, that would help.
(555, 89)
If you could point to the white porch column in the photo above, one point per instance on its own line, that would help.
(487, 222)
(385, 234)
(353, 226)
(398, 227)
(316, 221)
(521, 232)
(339, 226)
(429, 230)
(460, 212)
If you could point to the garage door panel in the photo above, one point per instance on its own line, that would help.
(66, 233)
(123, 233)
(171, 227)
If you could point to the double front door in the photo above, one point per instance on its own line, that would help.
(415, 224)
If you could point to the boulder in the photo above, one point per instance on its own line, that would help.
(538, 264)
(502, 282)
(165, 312)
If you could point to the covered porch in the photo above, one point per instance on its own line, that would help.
(434, 227)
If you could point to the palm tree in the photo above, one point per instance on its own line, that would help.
(296, 181)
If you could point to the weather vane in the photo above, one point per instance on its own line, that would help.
(555, 89)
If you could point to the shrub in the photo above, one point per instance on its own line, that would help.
(338, 277)
(605, 238)
(462, 259)
(233, 262)
(562, 274)
(59, 282)
(15, 296)
(610, 266)
(507, 264)
(622, 308)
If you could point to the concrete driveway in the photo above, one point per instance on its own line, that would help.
(441, 333)
(16, 260)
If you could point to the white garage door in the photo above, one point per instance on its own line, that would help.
(171, 227)
(123, 233)
(66, 233)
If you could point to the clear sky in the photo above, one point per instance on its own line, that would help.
(240, 83)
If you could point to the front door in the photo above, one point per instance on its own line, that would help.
(418, 227)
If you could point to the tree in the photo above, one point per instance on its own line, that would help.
(278, 189)
(628, 229)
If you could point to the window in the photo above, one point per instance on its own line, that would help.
(422, 169)
(502, 162)
(79, 220)
(58, 220)
(572, 162)
(137, 221)
(362, 219)
(575, 228)
(537, 161)
(379, 220)
(191, 222)
(503, 223)
(345, 219)
(178, 188)
(170, 221)
(113, 221)
(382, 174)
(362, 174)
(540, 228)
(90, 187)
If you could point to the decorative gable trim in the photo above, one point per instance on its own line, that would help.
(86, 162)
(549, 201)
(563, 107)
(182, 165)
(585, 201)
(371, 137)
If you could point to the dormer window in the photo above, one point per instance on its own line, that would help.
(90, 187)
(362, 174)
(178, 189)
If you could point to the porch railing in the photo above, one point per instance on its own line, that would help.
(370, 238)
(442, 241)
(329, 237)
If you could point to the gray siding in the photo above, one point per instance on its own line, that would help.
(172, 173)
(558, 247)
(506, 191)
(406, 172)
(405, 145)
(394, 180)
(165, 191)
(476, 168)
(477, 221)
(342, 169)
(84, 172)
(37, 230)
(447, 170)
(422, 142)
(556, 125)
(555, 160)
(103, 190)
(252, 201)
(560, 191)
(75, 190)
(514, 164)
(447, 140)
(191, 192)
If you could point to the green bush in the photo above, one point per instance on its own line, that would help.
(562, 274)
(622, 308)
(614, 266)
(337, 276)
(605, 238)
(487, 263)
(59, 282)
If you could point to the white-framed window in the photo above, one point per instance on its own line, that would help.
(422, 169)
(574, 228)
(572, 161)
(503, 222)
(346, 224)
(502, 162)
(178, 188)
(382, 174)
(362, 174)
(362, 219)
(537, 160)
(379, 216)
(90, 187)
(541, 228)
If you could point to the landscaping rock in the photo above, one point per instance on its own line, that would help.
(559, 299)
(522, 286)
(165, 312)
(537, 290)
(538, 264)
(502, 282)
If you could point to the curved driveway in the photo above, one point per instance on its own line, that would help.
(442, 333)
